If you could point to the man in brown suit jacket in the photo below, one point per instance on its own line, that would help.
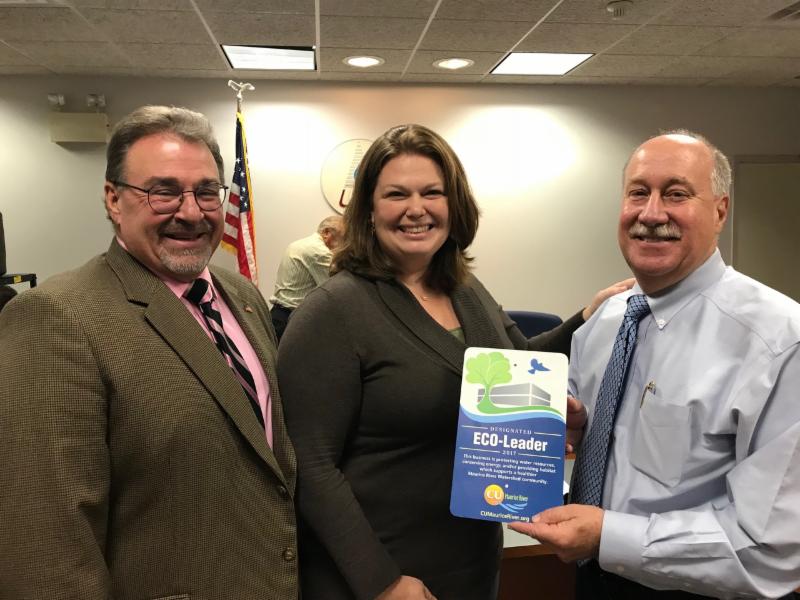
(134, 465)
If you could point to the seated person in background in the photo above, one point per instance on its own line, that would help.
(6, 294)
(305, 264)
(370, 370)
(688, 476)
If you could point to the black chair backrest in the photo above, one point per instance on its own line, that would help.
(533, 323)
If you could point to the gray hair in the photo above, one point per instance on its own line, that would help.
(150, 120)
(332, 222)
(721, 177)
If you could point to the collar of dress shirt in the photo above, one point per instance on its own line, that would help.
(668, 304)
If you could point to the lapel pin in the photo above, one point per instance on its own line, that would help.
(247, 308)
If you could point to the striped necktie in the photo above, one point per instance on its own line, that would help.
(590, 466)
(229, 351)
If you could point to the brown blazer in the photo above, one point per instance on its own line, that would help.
(131, 463)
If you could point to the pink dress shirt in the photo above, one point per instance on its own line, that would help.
(234, 331)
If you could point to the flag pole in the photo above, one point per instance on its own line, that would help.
(239, 234)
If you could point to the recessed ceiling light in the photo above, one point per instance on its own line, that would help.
(453, 63)
(539, 63)
(270, 58)
(363, 62)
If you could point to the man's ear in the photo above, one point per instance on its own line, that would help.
(723, 204)
(111, 201)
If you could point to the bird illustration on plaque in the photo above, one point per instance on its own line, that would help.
(509, 455)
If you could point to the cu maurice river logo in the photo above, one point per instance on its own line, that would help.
(494, 495)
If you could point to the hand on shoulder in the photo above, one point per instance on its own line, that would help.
(605, 294)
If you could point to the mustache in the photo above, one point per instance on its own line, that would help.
(174, 227)
(664, 231)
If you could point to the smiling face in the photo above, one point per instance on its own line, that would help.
(176, 246)
(410, 211)
(670, 216)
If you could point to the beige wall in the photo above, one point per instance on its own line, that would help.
(544, 163)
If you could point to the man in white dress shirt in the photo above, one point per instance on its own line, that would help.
(701, 496)
(305, 264)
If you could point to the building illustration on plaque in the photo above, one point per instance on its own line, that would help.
(505, 387)
(517, 394)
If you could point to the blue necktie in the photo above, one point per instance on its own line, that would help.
(590, 466)
(225, 345)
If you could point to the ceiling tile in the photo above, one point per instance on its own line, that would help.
(495, 10)
(410, 9)
(289, 7)
(50, 24)
(703, 66)
(618, 65)
(744, 81)
(370, 32)
(537, 79)
(757, 42)
(176, 56)
(728, 66)
(245, 74)
(442, 78)
(365, 77)
(669, 40)
(262, 29)
(573, 37)
(134, 4)
(674, 81)
(758, 68)
(720, 12)
(594, 11)
(395, 60)
(23, 70)
(147, 25)
(63, 54)
(424, 59)
(481, 36)
(105, 71)
(659, 42)
(576, 80)
(9, 57)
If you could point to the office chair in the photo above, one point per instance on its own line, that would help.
(533, 323)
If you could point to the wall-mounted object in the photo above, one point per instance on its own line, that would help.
(56, 101)
(78, 127)
(96, 101)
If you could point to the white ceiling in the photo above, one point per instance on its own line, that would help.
(664, 42)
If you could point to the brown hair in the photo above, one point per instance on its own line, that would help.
(150, 120)
(360, 251)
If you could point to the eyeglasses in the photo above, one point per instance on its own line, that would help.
(167, 199)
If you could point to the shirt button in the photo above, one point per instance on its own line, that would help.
(620, 569)
(661, 323)
(288, 555)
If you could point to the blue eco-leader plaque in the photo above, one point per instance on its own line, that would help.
(509, 455)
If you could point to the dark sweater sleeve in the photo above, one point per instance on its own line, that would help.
(320, 381)
(558, 339)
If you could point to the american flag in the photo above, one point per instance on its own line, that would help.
(239, 235)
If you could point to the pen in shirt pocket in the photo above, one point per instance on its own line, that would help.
(650, 387)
